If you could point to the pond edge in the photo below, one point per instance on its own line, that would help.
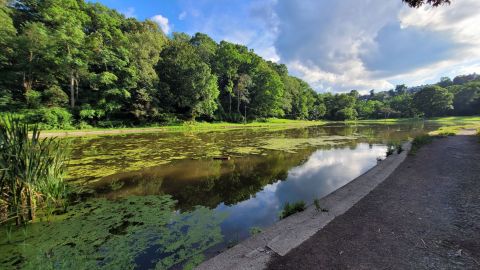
(285, 235)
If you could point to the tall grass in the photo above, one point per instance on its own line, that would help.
(31, 171)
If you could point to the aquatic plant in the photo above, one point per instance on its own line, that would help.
(31, 170)
(136, 232)
(290, 209)
(255, 230)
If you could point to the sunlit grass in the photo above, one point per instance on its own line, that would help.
(270, 123)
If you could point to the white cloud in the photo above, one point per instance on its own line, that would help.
(129, 12)
(182, 15)
(350, 44)
(162, 22)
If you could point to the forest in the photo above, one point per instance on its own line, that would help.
(68, 64)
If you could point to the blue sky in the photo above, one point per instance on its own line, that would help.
(334, 45)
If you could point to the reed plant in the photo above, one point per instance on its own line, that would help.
(32, 171)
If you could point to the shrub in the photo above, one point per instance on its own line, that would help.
(33, 98)
(290, 209)
(6, 101)
(50, 118)
(55, 97)
(84, 125)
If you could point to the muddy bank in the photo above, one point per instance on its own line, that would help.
(426, 215)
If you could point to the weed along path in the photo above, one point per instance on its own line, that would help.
(425, 215)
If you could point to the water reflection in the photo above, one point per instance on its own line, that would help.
(324, 172)
(249, 190)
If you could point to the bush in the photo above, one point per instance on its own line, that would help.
(55, 97)
(290, 209)
(84, 125)
(33, 98)
(50, 118)
(6, 101)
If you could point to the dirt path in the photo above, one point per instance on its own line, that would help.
(426, 215)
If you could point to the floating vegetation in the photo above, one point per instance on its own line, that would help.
(122, 234)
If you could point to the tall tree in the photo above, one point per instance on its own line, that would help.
(186, 82)
(433, 101)
(7, 32)
(267, 92)
(68, 19)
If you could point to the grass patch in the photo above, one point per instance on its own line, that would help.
(420, 141)
(290, 209)
(271, 123)
(453, 130)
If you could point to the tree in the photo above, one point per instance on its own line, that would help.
(467, 100)
(186, 83)
(400, 89)
(34, 55)
(267, 92)
(419, 3)
(68, 19)
(445, 82)
(7, 33)
(403, 105)
(206, 47)
(433, 101)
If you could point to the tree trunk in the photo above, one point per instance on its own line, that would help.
(72, 90)
(76, 87)
(230, 103)
(238, 103)
(245, 109)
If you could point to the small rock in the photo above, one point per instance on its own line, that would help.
(458, 253)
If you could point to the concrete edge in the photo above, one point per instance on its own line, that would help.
(285, 235)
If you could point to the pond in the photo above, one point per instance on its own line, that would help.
(162, 200)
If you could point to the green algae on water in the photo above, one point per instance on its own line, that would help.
(105, 234)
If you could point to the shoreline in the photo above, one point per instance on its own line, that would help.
(277, 240)
(199, 127)
(455, 123)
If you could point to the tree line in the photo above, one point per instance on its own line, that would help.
(71, 62)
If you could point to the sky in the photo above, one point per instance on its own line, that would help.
(335, 46)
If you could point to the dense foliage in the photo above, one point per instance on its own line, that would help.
(71, 63)
(419, 3)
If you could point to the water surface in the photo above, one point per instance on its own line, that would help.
(212, 204)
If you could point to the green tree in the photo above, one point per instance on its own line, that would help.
(186, 82)
(433, 101)
(68, 20)
(206, 47)
(7, 33)
(467, 100)
(402, 104)
(34, 55)
(267, 92)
